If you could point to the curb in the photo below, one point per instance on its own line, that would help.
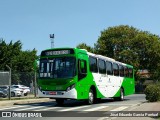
(137, 105)
(32, 101)
(26, 101)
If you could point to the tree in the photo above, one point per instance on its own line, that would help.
(130, 45)
(20, 61)
(85, 46)
(9, 53)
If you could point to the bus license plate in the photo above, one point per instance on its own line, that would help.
(52, 93)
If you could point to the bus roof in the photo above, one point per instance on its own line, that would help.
(91, 54)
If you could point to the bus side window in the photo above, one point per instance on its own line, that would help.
(115, 69)
(126, 72)
(109, 68)
(93, 64)
(130, 72)
(121, 68)
(102, 66)
(82, 69)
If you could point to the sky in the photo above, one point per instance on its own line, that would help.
(72, 21)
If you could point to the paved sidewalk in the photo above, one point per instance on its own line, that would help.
(142, 107)
(23, 101)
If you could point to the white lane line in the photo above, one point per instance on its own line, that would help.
(50, 108)
(119, 104)
(119, 108)
(96, 108)
(104, 118)
(30, 108)
(11, 107)
(74, 108)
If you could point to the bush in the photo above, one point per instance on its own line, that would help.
(152, 93)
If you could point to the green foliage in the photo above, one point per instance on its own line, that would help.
(130, 45)
(152, 92)
(85, 46)
(9, 53)
(20, 61)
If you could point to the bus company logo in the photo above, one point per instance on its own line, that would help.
(6, 114)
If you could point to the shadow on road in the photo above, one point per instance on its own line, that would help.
(71, 103)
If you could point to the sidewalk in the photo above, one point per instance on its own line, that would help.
(155, 106)
(24, 101)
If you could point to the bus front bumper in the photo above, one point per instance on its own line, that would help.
(71, 94)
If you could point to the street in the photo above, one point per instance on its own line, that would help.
(70, 106)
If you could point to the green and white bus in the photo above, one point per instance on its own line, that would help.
(72, 73)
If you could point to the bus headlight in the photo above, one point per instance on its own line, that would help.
(70, 87)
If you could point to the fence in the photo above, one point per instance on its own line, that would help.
(4, 78)
(28, 79)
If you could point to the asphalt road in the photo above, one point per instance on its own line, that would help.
(72, 109)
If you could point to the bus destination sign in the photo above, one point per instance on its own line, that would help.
(61, 52)
(57, 52)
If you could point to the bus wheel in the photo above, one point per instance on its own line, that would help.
(91, 97)
(60, 101)
(121, 98)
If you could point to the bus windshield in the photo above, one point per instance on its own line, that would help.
(61, 67)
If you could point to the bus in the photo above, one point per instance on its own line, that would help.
(72, 73)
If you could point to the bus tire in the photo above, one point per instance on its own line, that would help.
(91, 98)
(60, 101)
(121, 97)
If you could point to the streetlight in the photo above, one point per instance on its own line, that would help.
(52, 40)
(9, 81)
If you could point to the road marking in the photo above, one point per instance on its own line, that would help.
(74, 108)
(119, 108)
(50, 108)
(116, 109)
(96, 108)
(103, 118)
(29, 108)
(119, 104)
(11, 107)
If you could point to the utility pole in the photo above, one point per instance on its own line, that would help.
(35, 79)
(52, 40)
(35, 84)
(9, 82)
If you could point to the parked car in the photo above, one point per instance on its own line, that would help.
(15, 92)
(25, 89)
(3, 93)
